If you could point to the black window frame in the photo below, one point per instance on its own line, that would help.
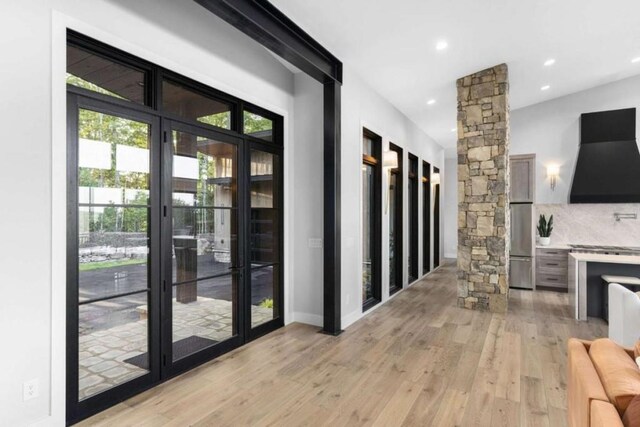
(398, 237)
(375, 161)
(412, 178)
(426, 217)
(154, 76)
(436, 220)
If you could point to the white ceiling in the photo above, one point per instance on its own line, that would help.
(391, 44)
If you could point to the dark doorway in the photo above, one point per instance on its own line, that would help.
(413, 217)
(394, 204)
(426, 217)
(436, 217)
(371, 218)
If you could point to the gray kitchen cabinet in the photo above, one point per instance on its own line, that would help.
(552, 267)
(522, 178)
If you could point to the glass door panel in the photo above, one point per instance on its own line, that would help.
(264, 236)
(113, 249)
(204, 242)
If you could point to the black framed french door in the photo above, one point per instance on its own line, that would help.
(202, 245)
(113, 255)
(175, 243)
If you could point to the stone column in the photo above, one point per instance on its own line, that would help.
(483, 190)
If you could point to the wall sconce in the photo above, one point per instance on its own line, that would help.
(435, 178)
(553, 172)
(390, 159)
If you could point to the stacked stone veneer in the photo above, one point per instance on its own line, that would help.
(483, 188)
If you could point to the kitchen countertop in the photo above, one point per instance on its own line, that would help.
(606, 258)
(552, 246)
(578, 262)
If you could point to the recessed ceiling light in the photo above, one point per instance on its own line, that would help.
(441, 45)
(545, 87)
(549, 62)
(454, 129)
(634, 60)
(431, 102)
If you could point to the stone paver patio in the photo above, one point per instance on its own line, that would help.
(103, 352)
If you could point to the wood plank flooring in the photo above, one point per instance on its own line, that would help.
(417, 360)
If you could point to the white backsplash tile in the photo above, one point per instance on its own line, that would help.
(592, 224)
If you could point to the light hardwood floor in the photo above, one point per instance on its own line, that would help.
(417, 360)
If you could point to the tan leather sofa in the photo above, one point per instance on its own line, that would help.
(587, 402)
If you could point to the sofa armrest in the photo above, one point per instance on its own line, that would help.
(583, 386)
(604, 414)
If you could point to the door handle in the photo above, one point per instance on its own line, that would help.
(236, 268)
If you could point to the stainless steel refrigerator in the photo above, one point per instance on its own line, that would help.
(521, 265)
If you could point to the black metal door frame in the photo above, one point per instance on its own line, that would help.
(77, 410)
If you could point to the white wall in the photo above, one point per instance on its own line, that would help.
(362, 107)
(178, 35)
(307, 215)
(551, 131)
(450, 209)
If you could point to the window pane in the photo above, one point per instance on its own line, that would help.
(264, 179)
(367, 146)
(367, 231)
(203, 242)
(264, 236)
(113, 250)
(113, 159)
(258, 126)
(264, 295)
(193, 106)
(204, 171)
(113, 343)
(102, 75)
(204, 314)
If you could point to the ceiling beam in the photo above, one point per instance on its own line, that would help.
(264, 23)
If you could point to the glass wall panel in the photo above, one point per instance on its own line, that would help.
(206, 319)
(191, 105)
(264, 236)
(113, 343)
(367, 232)
(99, 74)
(257, 126)
(113, 250)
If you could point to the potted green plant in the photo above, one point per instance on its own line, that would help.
(544, 229)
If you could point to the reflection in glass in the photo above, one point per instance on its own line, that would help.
(206, 320)
(113, 250)
(367, 146)
(264, 294)
(258, 126)
(204, 172)
(96, 73)
(191, 105)
(203, 240)
(367, 231)
(393, 231)
(205, 243)
(263, 180)
(113, 343)
(264, 236)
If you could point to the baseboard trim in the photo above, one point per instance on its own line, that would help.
(308, 318)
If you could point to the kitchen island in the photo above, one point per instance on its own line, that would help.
(578, 264)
